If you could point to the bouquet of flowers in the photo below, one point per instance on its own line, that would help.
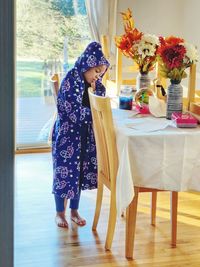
(174, 56)
(142, 48)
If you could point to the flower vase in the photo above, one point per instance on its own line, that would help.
(142, 81)
(174, 98)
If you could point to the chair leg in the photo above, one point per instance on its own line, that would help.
(111, 222)
(98, 205)
(153, 208)
(174, 207)
(131, 213)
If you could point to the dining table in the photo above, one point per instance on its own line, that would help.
(154, 153)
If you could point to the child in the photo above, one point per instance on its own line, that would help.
(73, 144)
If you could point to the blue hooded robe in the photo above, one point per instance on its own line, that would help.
(73, 143)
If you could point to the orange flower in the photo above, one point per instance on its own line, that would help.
(124, 43)
(134, 35)
(136, 45)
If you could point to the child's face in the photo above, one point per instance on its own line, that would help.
(94, 73)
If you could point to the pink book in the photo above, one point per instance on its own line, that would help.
(185, 120)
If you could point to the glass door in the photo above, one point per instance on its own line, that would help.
(51, 34)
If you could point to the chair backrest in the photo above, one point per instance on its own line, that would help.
(105, 50)
(55, 83)
(120, 67)
(193, 96)
(107, 156)
(191, 84)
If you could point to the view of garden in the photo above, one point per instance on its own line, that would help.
(51, 34)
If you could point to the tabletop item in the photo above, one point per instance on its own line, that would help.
(157, 107)
(142, 81)
(144, 109)
(142, 100)
(150, 124)
(174, 99)
(184, 120)
(126, 97)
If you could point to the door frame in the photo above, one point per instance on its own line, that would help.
(7, 131)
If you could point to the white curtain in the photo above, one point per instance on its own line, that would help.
(102, 16)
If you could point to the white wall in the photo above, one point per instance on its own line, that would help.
(190, 21)
(154, 16)
(172, 17)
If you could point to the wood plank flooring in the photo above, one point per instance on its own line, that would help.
(39, 243)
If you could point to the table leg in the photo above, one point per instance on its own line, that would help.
(131, 213)
(174, 206)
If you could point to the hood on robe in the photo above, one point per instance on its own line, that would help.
(91, 57)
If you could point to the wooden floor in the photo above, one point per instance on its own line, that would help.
(39, 243)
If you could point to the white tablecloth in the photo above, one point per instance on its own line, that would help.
(167, 159)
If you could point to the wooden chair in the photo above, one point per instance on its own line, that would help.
(193, 96)
(104, 44)
(114, 84)
(55, 84)
(107, 159)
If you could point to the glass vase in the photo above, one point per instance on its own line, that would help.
(174, 98)
(143, 81)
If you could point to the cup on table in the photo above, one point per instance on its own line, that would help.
(126, 97)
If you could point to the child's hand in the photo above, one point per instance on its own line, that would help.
(93, 86)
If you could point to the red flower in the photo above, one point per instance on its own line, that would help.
(171, 40)
(172, 55)
(162, 41)
(124, 43)
(134, 35)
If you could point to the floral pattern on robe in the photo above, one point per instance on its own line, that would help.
(66, 137)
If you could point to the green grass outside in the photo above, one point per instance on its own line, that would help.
(30, 77)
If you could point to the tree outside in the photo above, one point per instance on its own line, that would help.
(43, 26)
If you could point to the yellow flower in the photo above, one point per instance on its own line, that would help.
(128, 20)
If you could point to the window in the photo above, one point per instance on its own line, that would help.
(51, 34)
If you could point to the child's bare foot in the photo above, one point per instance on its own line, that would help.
(75, 217)
(61, 220)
